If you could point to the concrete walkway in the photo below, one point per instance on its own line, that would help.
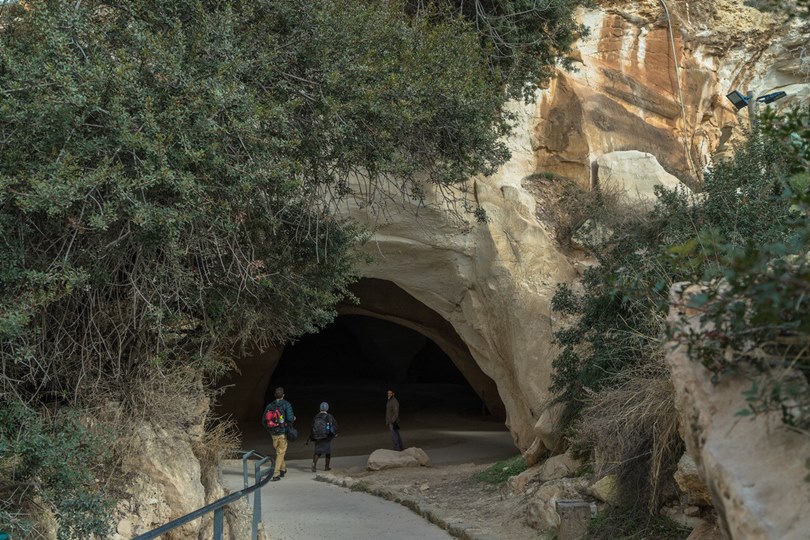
(301, 508)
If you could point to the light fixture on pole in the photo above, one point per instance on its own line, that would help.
(740, 101)
(770, 98)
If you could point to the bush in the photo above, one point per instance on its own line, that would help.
(745, 232)
(633, 429)
(52, 459)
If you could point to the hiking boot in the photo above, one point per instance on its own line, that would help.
(275, 479)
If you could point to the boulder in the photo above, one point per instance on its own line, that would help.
(535, 452)
(559, 466)
(541, 512)
(635, 173)
(548, 428)
(419, 455)
(706, 531)
(690, 483)
(518, 483)
(391, 459)
(605, 489)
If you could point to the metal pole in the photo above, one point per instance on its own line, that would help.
(219, 523)
(244, 470)
(257, 503)
(752, 111)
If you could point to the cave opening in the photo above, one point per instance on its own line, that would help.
(352, 362)
(385, 338)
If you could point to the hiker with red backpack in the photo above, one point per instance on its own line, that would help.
(324, 429)
(278, 418)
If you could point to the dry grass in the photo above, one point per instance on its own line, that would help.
(633, 430)
(570, 210)
(221, 438)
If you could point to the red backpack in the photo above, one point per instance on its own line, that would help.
(273, 417)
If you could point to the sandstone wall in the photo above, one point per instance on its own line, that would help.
(755, 468)
(624, 93)
(491, 281)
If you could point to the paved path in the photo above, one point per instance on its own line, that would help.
(301, 508)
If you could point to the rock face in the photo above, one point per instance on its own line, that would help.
(755, 469)
(492, 282)
(635, 174)
(638, 86)
(165, 478)
(690, 483)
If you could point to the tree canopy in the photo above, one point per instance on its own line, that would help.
(167, 169)
(164, 165)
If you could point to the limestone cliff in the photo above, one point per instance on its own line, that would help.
(654, 80)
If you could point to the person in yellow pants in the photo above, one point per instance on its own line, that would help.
(277, 415)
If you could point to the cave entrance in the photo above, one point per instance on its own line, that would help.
(351, 363)
(387, 340)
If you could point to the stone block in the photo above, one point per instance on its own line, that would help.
(574, 518)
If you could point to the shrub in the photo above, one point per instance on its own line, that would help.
(743, 232)
(632, 427)
(52, 459)
(498, 473)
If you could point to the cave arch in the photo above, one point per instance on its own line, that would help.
(244, 393)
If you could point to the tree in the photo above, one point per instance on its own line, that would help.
(167, 170)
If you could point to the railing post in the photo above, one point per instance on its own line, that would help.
(244, 469)
(219, 523)
(257, 502)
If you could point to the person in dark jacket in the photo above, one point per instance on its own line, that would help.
(324, 429)
(392, 420)
(279, 433)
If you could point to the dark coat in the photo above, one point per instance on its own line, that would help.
(287, 411)
(392, 411)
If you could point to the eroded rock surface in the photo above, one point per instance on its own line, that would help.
(754, 468)
(639, 86)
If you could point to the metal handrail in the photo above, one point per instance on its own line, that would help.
(218, 506)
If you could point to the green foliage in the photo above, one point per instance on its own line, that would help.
(618, 317)
(747, 236)
(169, 170)
(498, 473)
(524, 38)
(55, 457)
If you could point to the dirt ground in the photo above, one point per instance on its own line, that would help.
(452, 494)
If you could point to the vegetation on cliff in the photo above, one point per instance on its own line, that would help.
(747, 237)
(166, 175)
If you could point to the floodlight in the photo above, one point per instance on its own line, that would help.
(770, 98)
(738, 100)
